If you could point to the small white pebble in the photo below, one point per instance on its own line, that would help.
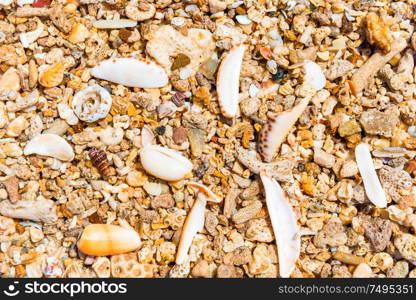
(153, 188)
(243, 19)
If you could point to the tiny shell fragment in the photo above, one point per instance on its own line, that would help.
(372, 185)
(119, 23)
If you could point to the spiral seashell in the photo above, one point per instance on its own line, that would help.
(52, 76)
(92, 103)
(99, 159)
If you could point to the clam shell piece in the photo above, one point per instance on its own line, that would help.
(277, 128)
(51, 145)
(132, 72)
(371, 182)
(164, 163)
(105, 239)
(314, 75)
(92, 103)
(284, 225)
(390, 152)
(228, 81)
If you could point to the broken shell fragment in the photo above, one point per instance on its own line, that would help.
(277, 128)
(390, 152)
(105, 239)
(372, 184)
(228, 81)
(164, 163)
(27, 38)
(51, 145)
(132, 72)
(92, 103)
(52, 76)
(284, 225)
(314, 75)
(120, 23)
(194, 222)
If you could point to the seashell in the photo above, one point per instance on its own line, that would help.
(27, 38)
(147, 137)
(195, 220)
(372, 185)
(110, 24)
(284, 225)
(52, 76)
(66, 113)
(105, 239)
(277, 128)
(52, 145)
(243, 19)
(228, 81)
(92, 103)
(314, 75)
(99, 159)
(164, 163)
(390, 152)
(132, 72)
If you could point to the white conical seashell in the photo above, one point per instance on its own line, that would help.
(195, 220)
(228, 81)
(284, 225)
(92, 103)
(49, 144)
(372, 184)
(164, 163)
(132, 72)
(119, 23)
(276, 129)
(314, 75)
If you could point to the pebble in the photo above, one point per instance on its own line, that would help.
(179, 135)
(380, 123)
(36, 234)
(153, 188)
(349, 128)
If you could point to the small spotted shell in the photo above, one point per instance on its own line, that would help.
(92, 103)
(52, 76)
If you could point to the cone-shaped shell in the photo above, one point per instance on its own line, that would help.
(228, 81)
(132, 72)
(51, 145)
(104, 239)
(164, 163)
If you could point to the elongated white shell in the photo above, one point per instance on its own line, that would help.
(314, 75)
(120, 23)
(228, 81)
(372, 184)
(284, 225)
(92, 103)
(276, 130)
(193, 224)
(164, 163)
(132, 72)
(51, 145)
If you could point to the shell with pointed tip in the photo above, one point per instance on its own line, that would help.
(372, 184)
(164, 163)
(276, 130)
(92, 103)
(314, 75)
(284, 225)
(51, 145)
(132, 72)
(228, 81)
(105, 239)
(193, 224)
(202, 188)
